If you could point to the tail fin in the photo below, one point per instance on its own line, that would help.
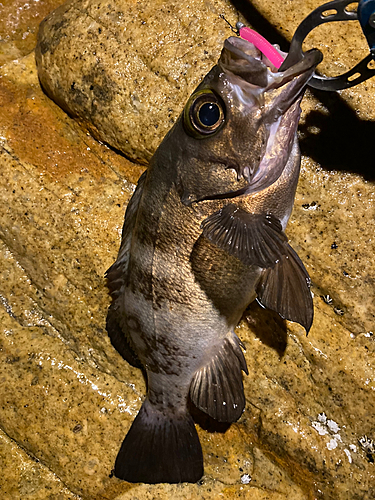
(160, 447)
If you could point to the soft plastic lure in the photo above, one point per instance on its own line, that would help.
(272, 54)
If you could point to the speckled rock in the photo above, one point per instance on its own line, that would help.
(126, 69)
(63, 34)
(67, 397)
(23, 476)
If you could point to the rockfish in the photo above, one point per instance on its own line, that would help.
(203, 237)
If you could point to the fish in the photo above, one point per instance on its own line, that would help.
(204, 237)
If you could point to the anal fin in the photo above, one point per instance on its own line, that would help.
(217, 388)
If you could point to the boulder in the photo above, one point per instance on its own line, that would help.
(125, 69)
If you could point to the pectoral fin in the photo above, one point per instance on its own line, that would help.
(258, 239)
(255, 239)
(217, 388)
(285, 288)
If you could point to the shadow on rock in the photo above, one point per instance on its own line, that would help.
(268, 326)
(336, 139)
(339, 140)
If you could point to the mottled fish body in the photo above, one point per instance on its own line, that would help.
(203, 237)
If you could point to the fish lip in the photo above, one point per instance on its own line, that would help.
(241, 58)
(306, 65)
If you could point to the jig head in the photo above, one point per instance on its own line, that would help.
(269, 50)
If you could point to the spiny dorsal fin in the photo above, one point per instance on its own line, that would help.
(217, 388)
(116, 274)
(253, 238)
(285, 288)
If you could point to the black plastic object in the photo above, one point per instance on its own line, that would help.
(330, 12)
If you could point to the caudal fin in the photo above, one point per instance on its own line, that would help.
(160, 447)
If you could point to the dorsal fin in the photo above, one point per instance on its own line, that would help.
(116, 274)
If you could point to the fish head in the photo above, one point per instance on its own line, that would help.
(243, 113)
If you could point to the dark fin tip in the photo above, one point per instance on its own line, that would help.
(286, 290)
(205, 421)
(160, 447)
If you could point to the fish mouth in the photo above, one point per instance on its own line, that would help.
(242, 59)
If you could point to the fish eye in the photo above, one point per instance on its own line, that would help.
(203, 114)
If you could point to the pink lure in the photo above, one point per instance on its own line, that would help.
(263, 45)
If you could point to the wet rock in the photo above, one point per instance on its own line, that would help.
(57, 409)
(125, 69)
(315, 396)
(54, 349)
(100, 88)
(23, 476)
(67, 397)
(52, 168)
(19, 25)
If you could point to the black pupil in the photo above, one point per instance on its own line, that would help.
(209, 114)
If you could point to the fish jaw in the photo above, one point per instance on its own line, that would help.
(246, 66)
(255, 82)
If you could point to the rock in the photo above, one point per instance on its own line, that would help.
(125, 69)
(23, 476)
(124, 122)
(55, 353)
(19, 26)
(67, 397)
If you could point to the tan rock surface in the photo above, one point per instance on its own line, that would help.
(19, 23)
(23, 477)
(68, 399)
